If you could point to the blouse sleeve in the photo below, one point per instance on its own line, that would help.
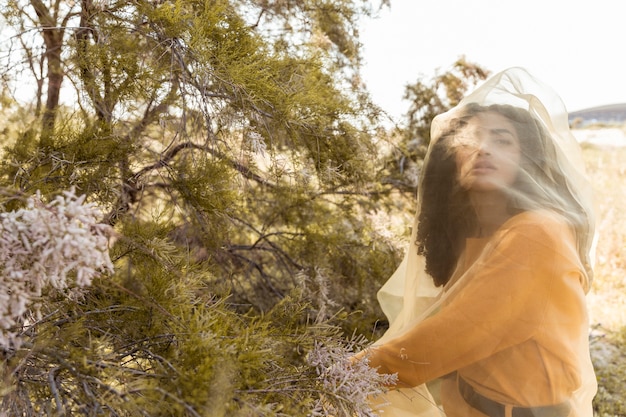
(500, 303)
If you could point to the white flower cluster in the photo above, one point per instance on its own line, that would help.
(347, 387)
(257, 143)
(317, 289)
(59, 245)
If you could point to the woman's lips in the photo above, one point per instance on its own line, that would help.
(483, 166)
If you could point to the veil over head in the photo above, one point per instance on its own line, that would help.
(550, 178)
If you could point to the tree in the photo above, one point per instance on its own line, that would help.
(181, 104)
(231, 146)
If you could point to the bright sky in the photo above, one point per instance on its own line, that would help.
(575, 46)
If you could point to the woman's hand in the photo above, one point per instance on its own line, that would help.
(359, 356)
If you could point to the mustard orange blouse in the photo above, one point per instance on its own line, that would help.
(515, 324)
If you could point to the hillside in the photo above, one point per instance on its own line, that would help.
(613, 114)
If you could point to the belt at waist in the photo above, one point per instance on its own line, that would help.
(495, 409)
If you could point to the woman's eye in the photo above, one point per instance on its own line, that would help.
(503, 141)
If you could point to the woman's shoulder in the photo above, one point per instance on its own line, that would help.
(545, 222)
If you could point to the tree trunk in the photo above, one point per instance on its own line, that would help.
(53, 40)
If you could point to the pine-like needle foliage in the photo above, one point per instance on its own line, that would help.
(233, 150)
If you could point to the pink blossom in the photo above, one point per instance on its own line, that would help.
(59, 244)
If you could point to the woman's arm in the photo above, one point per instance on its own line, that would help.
(500, 303)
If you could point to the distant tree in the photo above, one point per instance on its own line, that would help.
(438, 95)
(427, 98)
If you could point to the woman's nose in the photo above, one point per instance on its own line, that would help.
(483, 146)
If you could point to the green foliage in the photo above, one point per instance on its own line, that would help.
(152, 341)
(610, 366)
(231, 148)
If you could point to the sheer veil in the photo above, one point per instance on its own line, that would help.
(558, 182)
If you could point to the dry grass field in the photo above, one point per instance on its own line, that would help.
(606, 166)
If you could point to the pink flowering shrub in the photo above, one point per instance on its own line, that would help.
(344, 386)
(57, 245)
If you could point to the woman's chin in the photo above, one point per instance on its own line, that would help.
(485, 185)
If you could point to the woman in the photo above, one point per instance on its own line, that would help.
(490, 299)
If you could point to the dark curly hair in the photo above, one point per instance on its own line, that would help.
(446, 217)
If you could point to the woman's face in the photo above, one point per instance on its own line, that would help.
(488, 153)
